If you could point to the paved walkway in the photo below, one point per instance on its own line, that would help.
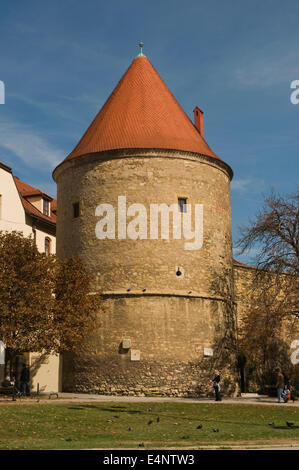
(84, 397)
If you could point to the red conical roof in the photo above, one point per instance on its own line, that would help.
(141, 113)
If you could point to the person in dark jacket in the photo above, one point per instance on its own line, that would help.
(280, 383)
(216, 385)
(25, 386)
(7, 382)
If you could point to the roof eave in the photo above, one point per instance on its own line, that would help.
(5, 167)
(120, 151)
(40, 218)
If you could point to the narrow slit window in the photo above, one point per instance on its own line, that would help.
(76, 210)
(182, 202)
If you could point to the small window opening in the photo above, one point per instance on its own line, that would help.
(76, 209)
(179, 272)
(182, 201)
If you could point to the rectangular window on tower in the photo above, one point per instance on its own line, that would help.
(182, 201)
(76, 210)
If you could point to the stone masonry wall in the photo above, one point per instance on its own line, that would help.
(243, 285)
(170, 333)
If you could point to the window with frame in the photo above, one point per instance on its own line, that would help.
(46, 207)
(48, 246)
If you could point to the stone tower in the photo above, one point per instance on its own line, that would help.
(166, 319)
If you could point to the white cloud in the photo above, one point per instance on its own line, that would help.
(29, 146)
(48, 107)
(240, 184)
(49, 188)
(248, 185)
(267, 71)
(93, 101)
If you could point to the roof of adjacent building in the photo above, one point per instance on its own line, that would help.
(239, 263)
(5, 167)
(25, 191)
(141, 113)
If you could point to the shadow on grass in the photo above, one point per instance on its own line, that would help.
(286, 427)
(206, 421)
(120, 409)
(195, 420)
(94, 407)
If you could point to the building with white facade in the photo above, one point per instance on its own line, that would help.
(31, 211)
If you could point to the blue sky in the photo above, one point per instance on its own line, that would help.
(60, 60)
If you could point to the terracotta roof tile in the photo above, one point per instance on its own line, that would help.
(141, 112)
(26, 190)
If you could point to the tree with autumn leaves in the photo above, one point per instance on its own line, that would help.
(45, 302)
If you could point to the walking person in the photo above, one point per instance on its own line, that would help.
(216, 385)
(25, 385)
(279, 384)
(286, 394)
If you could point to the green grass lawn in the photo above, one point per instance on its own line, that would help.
(86, 426)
